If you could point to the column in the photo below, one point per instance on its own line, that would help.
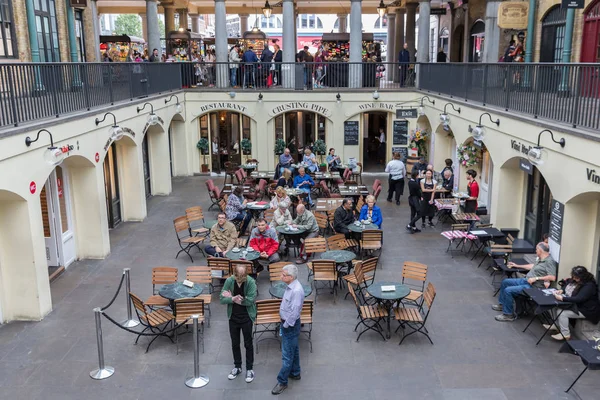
(152, 27)
(183, 18)
(566, 55)
(289, 44)
(466, 34)
(195, 23)
(411, 10)
(424, 12)
(71, 31)
(392, 56)
(31, 29)
(169, 18)
(221, 44)
(399, 42)
(145, 28)
(491, 49)
(244, 24)
(343, 23)
(355, 80)
(530, 31)
(96, 36)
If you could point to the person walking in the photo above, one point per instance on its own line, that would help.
(239, 293)
(397, 172)
(414, 201)
(289, 312)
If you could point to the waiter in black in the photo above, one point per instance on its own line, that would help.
(414, 200)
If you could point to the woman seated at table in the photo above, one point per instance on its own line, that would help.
(371, 212)
(581, 290)
(281, 216)
(428, 209)
(310, 161)
(280, 198)
(472, 191)
(236, 209)
(333, 161)
(285, 180)
(304, 182)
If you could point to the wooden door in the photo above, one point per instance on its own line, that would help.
(590, 52)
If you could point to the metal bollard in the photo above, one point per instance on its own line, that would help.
(196, 381)
(103, 371)
(129, 322)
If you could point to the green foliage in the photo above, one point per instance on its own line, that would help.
(161, 29)
(202, 145)
(319, 147)
(279, 146)
(128, 24)
(246, 145)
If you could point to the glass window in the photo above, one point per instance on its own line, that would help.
(8, 46)
(245, 127)
(62, 199)
(80, 35)
(45, 12)
(279, 127)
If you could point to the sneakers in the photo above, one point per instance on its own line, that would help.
(505, 318)
(249, 376)
(551, 328)
(497, 307)
(235, 372)
(278, 389)
(558, 336)
(295, 377)
(415, 230)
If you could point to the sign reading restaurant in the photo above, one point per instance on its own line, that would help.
(300, 105)
(222, 105)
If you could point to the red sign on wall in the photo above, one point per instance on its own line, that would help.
(32, 187)
(97, 157)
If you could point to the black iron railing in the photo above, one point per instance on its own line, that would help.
(566, 93)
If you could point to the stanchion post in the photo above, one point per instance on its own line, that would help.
(196, 381)
(103, 371)
(129, 322)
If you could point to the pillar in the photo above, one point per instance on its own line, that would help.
(424, 13)
(221, 44)
(71, 31)
(145, 29)
(244, 23)
(466, 34)
(183, 18)
(289, 44)
(96, 36)
(491, 49)
(31, 28)
(355, 80)
(566, 55)
(152, 27)
(399, 42)
(343, 23)
(169, 18)
(411, 10)
(195, 23)
(530, 31)
(392, 56)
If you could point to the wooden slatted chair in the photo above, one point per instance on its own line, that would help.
(185, 309)
(323, 222)
(369, 268)
(313, 246)
(306, 320)
(267, 321)
(337, 242)
(275, 271)
(495, 251)
(161, 276)
(268, 215)
(325, 271)
(356, 278)
(415, 318)
(371, 241)
(202, 276)
(156, 322)
(460, 233)
(195, 217)
(213, 194)
(357, 173)
(414, 275)
(220, 269)
(359, 204)
(185, 238)
(371, 315)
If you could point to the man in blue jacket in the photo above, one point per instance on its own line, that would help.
(249, 59)
(304, 182)
(404, 60)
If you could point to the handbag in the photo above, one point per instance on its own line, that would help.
(270, 80)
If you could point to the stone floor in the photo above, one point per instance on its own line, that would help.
(474, 357)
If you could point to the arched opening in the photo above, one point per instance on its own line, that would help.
(299, 130)
(553, 35)
(156, 161)
(474, 155)
(580, 241)
(457, 44)
(444, 147)
(476, 41)
(590, 52)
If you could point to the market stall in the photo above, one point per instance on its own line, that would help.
(118, 47)
(338, 47)
(182, 44)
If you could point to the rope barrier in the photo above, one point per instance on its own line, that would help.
(144, 334)
(116, 294)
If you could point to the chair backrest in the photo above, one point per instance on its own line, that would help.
(369, 267)
(210, 184)
(372, 235)
(223, 203)
(510, 239)
(358, 273)
(414, 271)
(194, 214)
(262, 186)
(244, 263)
(359, 167)
(306, 315)
(219, 264)
(460, 227)
(325, 189)
(484, 226)
(324, 270)
(501, 248)
(200, 275)
(337, 242)
(275, 271)
(216, 192)
(140, 308)
(239, 175)
(353, 294)
(429, 297)
(181, 224)
(376, 194)
(376, 184)
(187, 307)
(322, 221)
(315, 245)
(268, 214)
(359, 204)
(164, 275)
(267, 311)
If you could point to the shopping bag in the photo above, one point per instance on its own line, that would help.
(270, 80)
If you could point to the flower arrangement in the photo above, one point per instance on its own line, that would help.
(468, 155)
(418, 140)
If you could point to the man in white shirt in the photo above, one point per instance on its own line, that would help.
(397, 171)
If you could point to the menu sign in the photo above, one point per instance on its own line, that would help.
(556, 222)
(403, 153)
(526, 166)
(351, 133)
(400, 132)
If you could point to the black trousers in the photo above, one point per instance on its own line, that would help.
(395, 186)
(234, 332)
(415, 211)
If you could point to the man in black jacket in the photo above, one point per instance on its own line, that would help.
(404, 60)
(343, 217)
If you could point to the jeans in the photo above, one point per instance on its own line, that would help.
(249, 77)
(211, 251)
(305, 190)
(563, 320)
(508, 290)
(233, 76)
(395, 186)
(290, 354)
(245, 217)
(234, 332)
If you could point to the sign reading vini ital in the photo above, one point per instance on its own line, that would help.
(299, 105)
(523, 148)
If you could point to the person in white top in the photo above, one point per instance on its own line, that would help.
(234, 60)
(382, 148)
(397, 171)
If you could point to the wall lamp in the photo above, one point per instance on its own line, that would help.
(421, 109)
(267, 10)
(376, 95)
(152, 118)
(260, 97)
(178, 106)
(116, 132)
(53, 155)
(445, 118)
(478, 132)
(536, 154)
(338, 98)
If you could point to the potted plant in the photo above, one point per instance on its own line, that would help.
(246, 146)
(323, 167)
(202, 145)
(279, 146)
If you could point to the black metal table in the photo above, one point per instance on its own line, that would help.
(292, 237)
(484, 238)
(509, 271)
(342, 258)
(237, 255)
(178, 290)
(522, 246)
(544, 304)
(277, 289)
(387, 299)
(585, 349)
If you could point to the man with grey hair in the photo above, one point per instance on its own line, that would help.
(306, 221)
(544, 270)
(289, 312)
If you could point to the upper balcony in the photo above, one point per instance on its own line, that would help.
(565, 94)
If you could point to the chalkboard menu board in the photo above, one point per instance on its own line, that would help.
(400, 132)
(556, 224)
(403, 153)
(351, 133)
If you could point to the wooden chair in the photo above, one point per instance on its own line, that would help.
(323, 222)
(371, 241)
(213, 194)
(306, 319)
(202, 276)
(496, 251)
(337, 242)
(230, 170)
(414, 275)
(327, 193)
(195, 218)
(415, 318)
(377, 192)
(275, 271)
(356, 278)
(185, 309)
(371, 315)
(185, 238)
(359, 204)
(220, 268)
(325, 271)
(161, 276)
(357, 173)
(313, 246)
(267, 321)
(369, 268)
(156, 322)
(460, 233)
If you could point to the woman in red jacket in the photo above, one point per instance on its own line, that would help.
(472, 191)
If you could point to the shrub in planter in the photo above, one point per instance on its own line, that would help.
(279, 146)
(246, 146)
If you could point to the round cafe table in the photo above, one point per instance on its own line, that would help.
(234, 256)
(178, 290)
(278, 289)
(209, 223)
(341, 258)
(361, 227)
(291, 237)
(388, 298)
(256, 210)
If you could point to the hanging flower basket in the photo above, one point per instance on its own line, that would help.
(418, 141)
(468, 155)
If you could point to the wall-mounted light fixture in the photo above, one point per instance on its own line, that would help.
(232, 94)
(376, 95)
(260, 97)
(382, 9)
(152, 118)
(445, 118)
(421, 109)
(537, 153)
(178, 106)
(267, 10)
(478, 132)
(53, 155)
(338, 98)
(116, 132)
